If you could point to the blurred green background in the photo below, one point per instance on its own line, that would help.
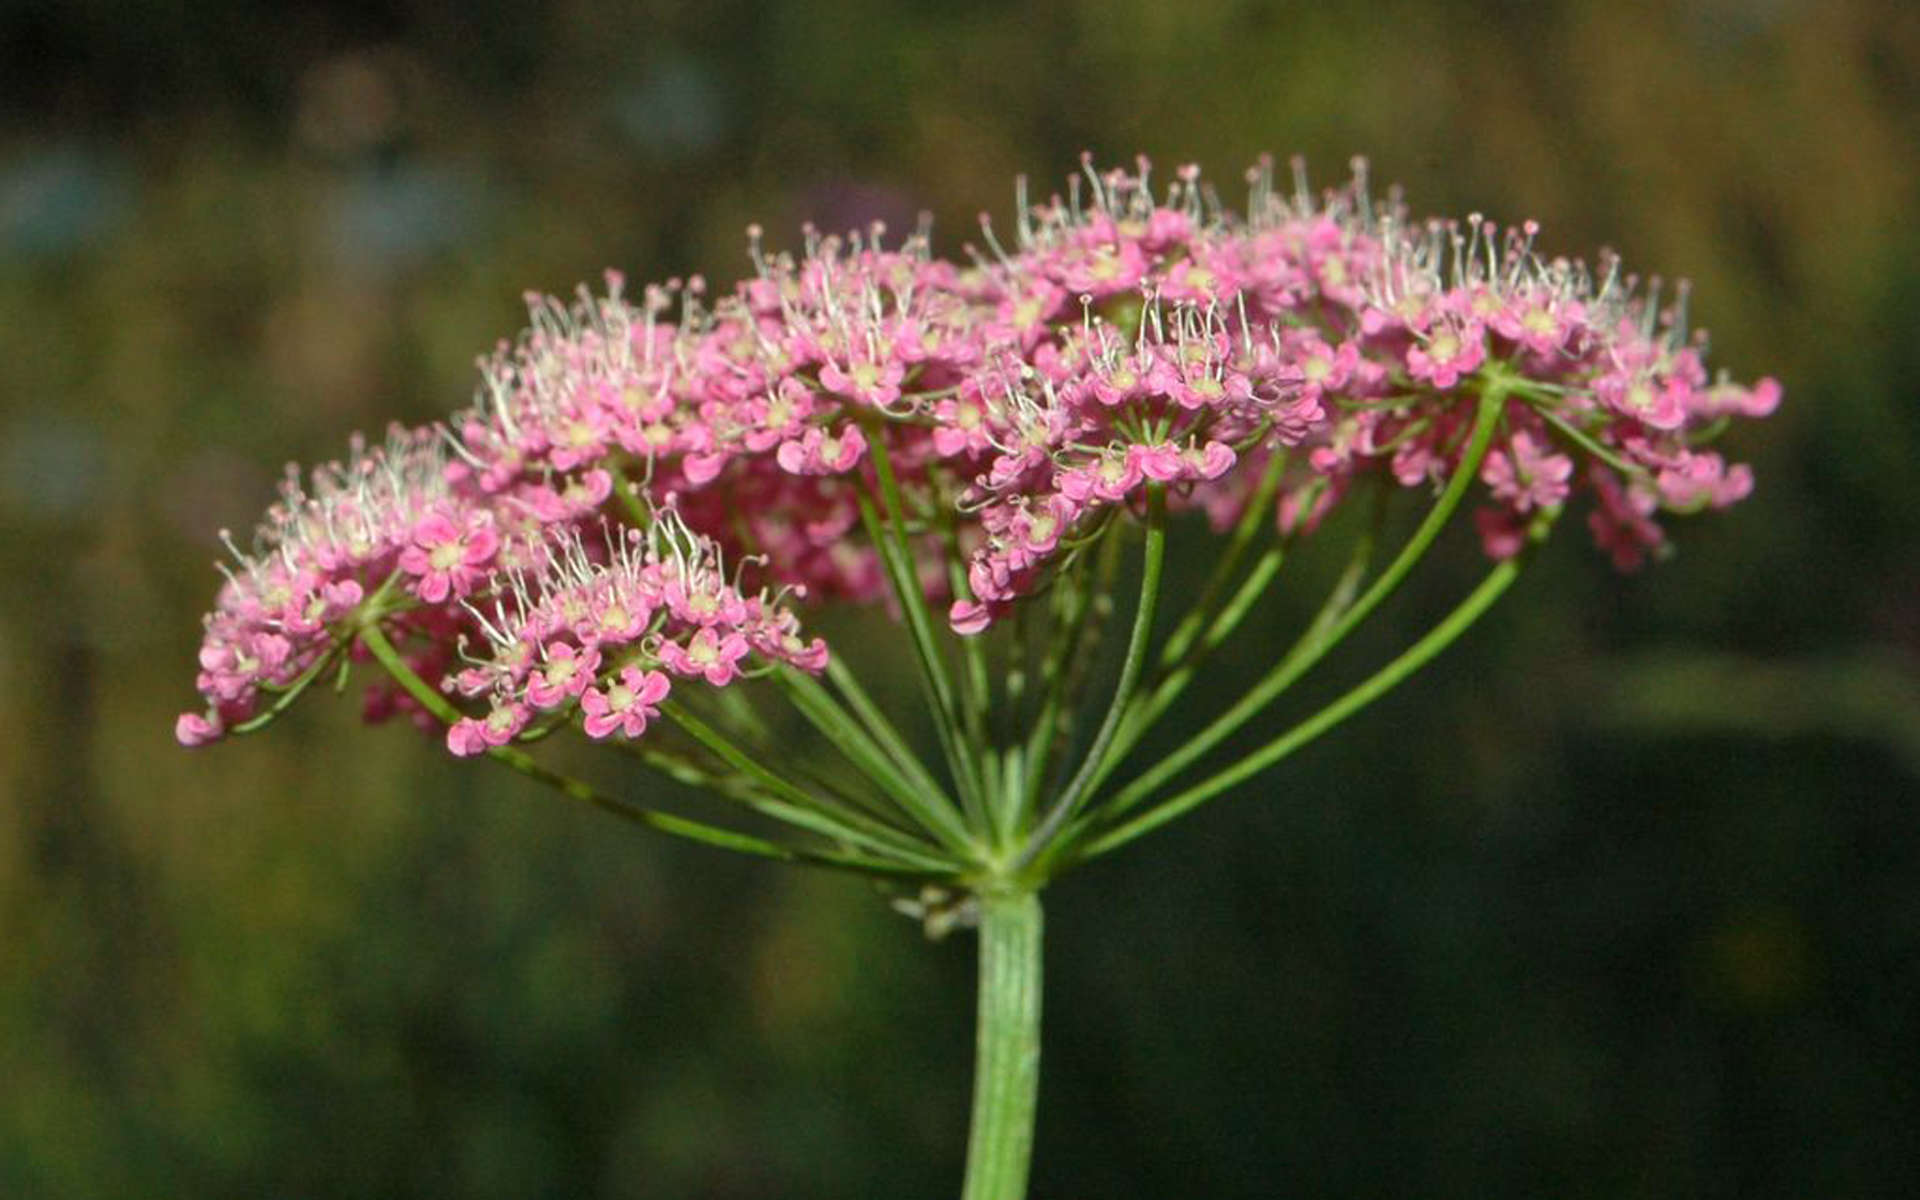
(1621, 898)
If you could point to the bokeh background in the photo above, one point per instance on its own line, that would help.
(1621, 898)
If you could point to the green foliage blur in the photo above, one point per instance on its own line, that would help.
(1621, 899)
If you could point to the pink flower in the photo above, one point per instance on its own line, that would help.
(449, 558)
(565, 673)
(1161, 463)
(1657, 401)
(1622, 523)
(1448, 352)
(625, 705)
(708, 654)
(1109, 477)
(968, 617)
(1127, 380)
(1702, 481)
(1322, 368)
(960, 426)
(196, 729)
(1527, 475)
(874, 384)
(1539, 322)
(1502, 535)
(703, 600)
(1726, 398)
(580, 496)
(467, 737)
(819, 452)
(617, 616)
(1103, 269)
(1209, 461)
(1128, 336)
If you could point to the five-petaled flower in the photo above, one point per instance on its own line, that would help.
(449, 556)
(626, 704)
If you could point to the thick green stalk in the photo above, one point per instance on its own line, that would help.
(1006, 1081)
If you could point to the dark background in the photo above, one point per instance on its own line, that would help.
(1621, 898)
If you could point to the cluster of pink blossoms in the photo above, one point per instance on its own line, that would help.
(610, 630)
(1128, 340)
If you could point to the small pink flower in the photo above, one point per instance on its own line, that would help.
(1726, 398)
(1039, 527)
(626, 704)
(1622, 523)
(564, 674)
(1161, 463)
(1021, 316)
(1109, 477)
(960, 425)
(449, 558)
(968, 617)
(197, 729)
(1502, 535)
(1209, 461)
(578, 438)
(821, 453)
(1319, 367)
(578, 498)
(1540, 323)
(618, 616)
(1658, 403)
(467, 736)
(1702, 481)
(707, 655)
(808, 655)
(1103, 269)
(703, 601)
(1120, 383)
(1448, 352)
(1527, 474)
(871, 383)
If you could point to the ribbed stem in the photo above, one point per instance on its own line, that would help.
(1006, 1081)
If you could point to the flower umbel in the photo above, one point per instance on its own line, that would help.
(621, 533)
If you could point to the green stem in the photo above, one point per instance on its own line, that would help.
(1258, 512)
(1154, 700)
(976, 691)
(889, 539)
(818, 706)
(696, 831)
(293, 691)
(1492, 404)
(794, 805)
(1381, 682)
(1160, 699)
(884, 733)
(1073, 602)
(1006, 1081)
(1077, 788)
